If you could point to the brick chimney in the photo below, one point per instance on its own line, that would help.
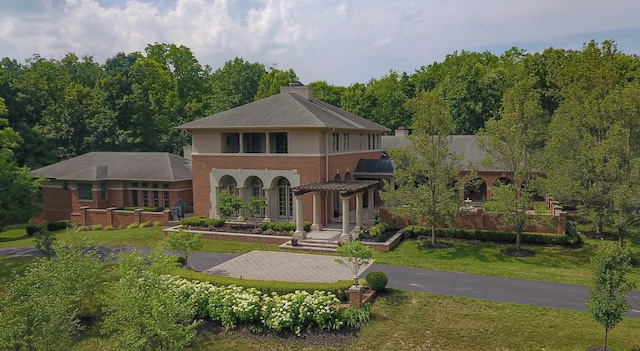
(401, 131)
(298, 88)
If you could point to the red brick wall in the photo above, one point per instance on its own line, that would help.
(310, 169)
(56, 205)
(118, 218)
(482, 221)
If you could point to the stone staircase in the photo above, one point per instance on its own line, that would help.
(311, 245)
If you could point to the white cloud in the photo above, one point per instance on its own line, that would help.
(335, 40)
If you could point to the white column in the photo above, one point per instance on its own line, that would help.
(345, 236)
(268, 208)
(316, 226)
(370, 203)
(299, 233)
(214, 202)
(241, 213)
(358, 210)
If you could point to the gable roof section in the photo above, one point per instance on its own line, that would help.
(460, 144)
(284, 110)
(138, 166)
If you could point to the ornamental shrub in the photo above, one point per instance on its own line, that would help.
(377, 281)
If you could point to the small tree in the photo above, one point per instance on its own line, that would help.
(255, 205)
(40, 310)
(185, 243)
(228, 204)
(608, 294)
(45, 241)
(354, 256)
(426, 171)
(142, 310)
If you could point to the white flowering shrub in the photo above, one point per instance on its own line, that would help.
(297, 311)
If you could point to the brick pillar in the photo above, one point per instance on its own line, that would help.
(562, 222)
(166, 216)
(138, 215)
(83, 215)
(356, 295)
(110, 216)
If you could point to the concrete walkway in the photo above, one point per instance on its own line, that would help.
(284, 266)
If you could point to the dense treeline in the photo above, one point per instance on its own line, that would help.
(66, 107)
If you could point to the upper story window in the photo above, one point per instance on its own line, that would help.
(336, 142)
(254, 142)
(85, 191)
(360, 142)
(345, 140)
(279, 143)
(230, 142)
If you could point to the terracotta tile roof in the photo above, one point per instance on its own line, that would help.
(347, 187)
(138, 166)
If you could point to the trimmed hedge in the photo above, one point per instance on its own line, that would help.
(145, 209)
(52, 227)
(377, 281)
(488, 235)
(283, 226)
(199, 221)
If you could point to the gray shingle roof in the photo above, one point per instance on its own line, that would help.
(284, 110)
(383, 166)
(460, 144)
(133, 166)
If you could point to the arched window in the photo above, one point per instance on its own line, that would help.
(257, 190)
(285, 199)
(229, 184)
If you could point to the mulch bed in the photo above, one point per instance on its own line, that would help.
(517, 253)
(325, 338)
(437, 245)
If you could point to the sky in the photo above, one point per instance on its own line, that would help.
(339, 41)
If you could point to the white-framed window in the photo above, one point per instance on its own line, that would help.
(285, 199)
(345, 139)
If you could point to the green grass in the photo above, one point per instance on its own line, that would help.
(405, 320)
(550, 263)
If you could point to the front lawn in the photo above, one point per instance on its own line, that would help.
(550, 263)
(403, 320)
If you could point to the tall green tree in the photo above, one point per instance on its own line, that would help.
(513, 143)
(386, 97)
(470, 84)
(272, 80)
(328, 93)
(19, 191)
(592, 156)
(426, 170)
(234, 84)
(608, 295)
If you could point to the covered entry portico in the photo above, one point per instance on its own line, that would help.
(346, 189)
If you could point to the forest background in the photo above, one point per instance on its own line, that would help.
(66, 107)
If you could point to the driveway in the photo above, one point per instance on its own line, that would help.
(305, 267)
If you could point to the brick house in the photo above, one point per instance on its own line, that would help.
(101, 180)
(282, 148)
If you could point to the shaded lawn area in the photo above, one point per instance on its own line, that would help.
(404, 320)
(550, 263)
